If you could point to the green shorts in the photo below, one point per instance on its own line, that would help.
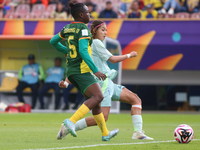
(111, 92)
(82, 81)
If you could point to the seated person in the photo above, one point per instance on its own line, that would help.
(93, 14)
(173, 6)
(191, 6)
(29, 76)
(60, 12)
(150, 12)
(125, 4)
(93, 4)
(134, 11)
(54, 75)
(108, 11)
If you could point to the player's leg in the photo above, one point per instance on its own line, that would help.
(66, 92)
(57, 95)
(94, 91)
(41, 93)
(21, 86)
(87, 85)
(131, 98)
(34, 90)
(90, 121)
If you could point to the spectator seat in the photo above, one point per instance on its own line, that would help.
(9, 84)
(37, 10)
(182, 15)
(49, 10)
(21, 10)
(195, 15)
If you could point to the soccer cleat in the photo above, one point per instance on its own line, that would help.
(70, 126)
(110, 135)
(63, 132)
(141, 136)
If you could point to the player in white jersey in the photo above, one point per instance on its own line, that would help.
(111, 91)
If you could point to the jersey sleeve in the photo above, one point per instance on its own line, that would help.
(100, 49)
(62, 34)
(84, 33)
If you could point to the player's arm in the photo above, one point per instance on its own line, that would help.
(105, 55)
(55, 41)
(116, 59)
(83, 50)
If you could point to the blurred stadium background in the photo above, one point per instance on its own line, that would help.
(165, 74)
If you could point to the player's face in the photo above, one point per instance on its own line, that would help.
(31, 61)
(86, 15)
(101, 32)
(57, 63)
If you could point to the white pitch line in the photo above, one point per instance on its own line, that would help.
(96, 145)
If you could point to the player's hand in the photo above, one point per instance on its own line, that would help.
(67, 80)
(133, 54)
(62, 84)
(100, 75)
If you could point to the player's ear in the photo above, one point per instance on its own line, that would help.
(81, 15)
(94, 30)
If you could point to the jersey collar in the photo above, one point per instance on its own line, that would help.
(77, 22)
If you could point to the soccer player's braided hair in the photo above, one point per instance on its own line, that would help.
(76, 8)
(95, 25)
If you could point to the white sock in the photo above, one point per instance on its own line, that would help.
(80, 125)
(137, 122)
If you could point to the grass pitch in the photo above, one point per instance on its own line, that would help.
(39, 130)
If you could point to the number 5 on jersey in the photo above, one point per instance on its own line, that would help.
(73, 52)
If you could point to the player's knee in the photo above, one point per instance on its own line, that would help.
(135, 99)
(99, 97)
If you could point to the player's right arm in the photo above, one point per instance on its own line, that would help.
(55, 41)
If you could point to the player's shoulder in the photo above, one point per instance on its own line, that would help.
(36, 64)
(97, 42)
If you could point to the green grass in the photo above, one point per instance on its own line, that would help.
(37, 131)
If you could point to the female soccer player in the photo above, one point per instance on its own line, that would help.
(110, 90)
(79, 65)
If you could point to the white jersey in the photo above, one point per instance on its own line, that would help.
(100, 55)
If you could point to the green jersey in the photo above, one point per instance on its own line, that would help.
(73, 33)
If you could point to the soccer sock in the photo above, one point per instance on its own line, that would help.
(101, 123)
(82, 111)
(137, 122)
(80, 125)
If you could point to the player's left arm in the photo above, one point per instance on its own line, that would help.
(115, 59)
(105, 55)
(55, 41)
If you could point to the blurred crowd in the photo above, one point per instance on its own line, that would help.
(59, 9)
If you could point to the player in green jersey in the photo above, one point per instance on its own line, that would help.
(110, 90)
(79, 67)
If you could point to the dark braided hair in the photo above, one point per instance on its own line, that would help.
(93, 25)
(76, 8)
